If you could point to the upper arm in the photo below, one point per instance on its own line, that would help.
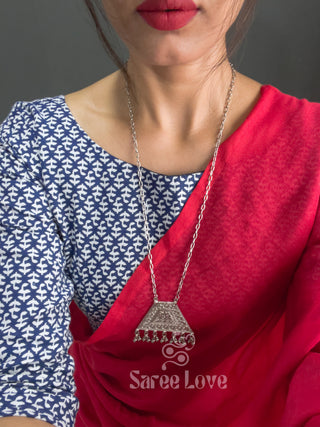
(36, 370)
(302, 333)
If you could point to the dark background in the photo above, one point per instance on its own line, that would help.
(50, 48)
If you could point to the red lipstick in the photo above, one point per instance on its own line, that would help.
(167, 15)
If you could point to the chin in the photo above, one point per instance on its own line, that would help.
(165, 54)
(172, 48)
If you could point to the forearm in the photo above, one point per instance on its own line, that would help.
(22, 422)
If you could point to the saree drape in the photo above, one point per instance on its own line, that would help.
(251, 294)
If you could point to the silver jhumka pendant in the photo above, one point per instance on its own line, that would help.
(164, 317)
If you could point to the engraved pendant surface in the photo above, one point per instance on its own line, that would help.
(164, 317)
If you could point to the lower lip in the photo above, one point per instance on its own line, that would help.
(168, 21)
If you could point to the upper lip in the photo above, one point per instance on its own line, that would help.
(166, 5)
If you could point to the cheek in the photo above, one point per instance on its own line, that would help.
(234, 10)
(120, 14)
(222, 13)
(113, 10)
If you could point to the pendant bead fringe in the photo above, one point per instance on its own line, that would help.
(164, 337)
(164, 317)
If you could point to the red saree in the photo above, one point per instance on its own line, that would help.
(251, 294)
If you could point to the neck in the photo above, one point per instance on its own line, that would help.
(182, 99)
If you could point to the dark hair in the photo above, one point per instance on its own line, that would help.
(234, 37)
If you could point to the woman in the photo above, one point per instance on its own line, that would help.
(176, 203)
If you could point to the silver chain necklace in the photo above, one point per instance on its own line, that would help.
(165, 316)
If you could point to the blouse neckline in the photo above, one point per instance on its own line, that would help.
(264, 90)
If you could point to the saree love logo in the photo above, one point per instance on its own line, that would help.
(176, 354)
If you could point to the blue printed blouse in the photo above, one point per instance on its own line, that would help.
(71, 227)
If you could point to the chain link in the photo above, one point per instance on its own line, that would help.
(203, 206)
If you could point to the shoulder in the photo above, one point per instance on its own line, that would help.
(28, 114)
(296, 121)
(283, 131)
(25, 129)
(278, 107)
(285, 110)
(290, 123)
(292, 127)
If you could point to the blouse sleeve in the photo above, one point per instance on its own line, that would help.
(302, 334)
(36, 370)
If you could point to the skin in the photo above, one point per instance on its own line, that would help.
(179, 103)
(22, 422)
